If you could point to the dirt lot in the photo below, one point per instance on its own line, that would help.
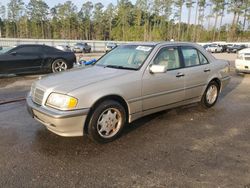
(183, 147)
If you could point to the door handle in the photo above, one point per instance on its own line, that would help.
(179, 74)
(207, 70)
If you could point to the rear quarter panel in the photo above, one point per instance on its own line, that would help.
(219, 70)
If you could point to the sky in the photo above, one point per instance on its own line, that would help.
(78, 3)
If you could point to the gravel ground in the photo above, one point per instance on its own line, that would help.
(183, 147)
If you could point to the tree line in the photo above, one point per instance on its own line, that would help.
(146, 20)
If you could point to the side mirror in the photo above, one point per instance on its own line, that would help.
(153, 69)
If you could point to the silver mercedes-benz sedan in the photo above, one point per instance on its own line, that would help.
(129, 82)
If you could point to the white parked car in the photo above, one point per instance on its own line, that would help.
(110, 46)
(242, 62)
(214, 48)
(65, 48)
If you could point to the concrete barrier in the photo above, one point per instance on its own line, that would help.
(97, 46)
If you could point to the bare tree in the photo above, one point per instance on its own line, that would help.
(189, 5)
(179, 5)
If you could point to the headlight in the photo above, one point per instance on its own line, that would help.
(61, 102)
(240, 56)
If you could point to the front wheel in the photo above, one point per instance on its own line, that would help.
(210, 95)
(59, 65)
(107, 121)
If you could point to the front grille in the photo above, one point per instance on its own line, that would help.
(247, 58)
(37, 95)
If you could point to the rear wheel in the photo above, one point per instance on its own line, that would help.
(210, 95)
(59, 65)
(107, 121)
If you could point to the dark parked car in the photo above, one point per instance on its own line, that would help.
(235, 48)
(224, 48)
(35, 58)
(82, 48)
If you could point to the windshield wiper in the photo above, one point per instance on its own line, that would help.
(120, 67)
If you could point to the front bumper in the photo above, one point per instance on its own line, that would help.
(63, 123)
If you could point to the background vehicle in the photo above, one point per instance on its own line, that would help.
(214, 48)
(242, 62)
(65, 48)
(206, 46)
(224, 47)
(235, 48)
(82, 48)
(110, 46)
(35, 58)
(129, 82)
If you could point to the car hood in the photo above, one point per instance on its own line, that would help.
(66, 82)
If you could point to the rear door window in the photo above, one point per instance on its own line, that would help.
(50, 50)
(29, 49)
(191, 57)
(203, 59)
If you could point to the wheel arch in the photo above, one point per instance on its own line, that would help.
(114, 97)
(217, 80)
(62, 58)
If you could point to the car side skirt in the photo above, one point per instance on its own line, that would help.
(135, 116)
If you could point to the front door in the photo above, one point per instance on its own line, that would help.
(162, 89)
(22, 59)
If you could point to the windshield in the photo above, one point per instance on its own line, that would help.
(127, 56)
(5, 49)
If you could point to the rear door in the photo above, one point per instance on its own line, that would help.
(24, 59)
(197, 70)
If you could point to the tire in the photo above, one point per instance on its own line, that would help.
(209, 99)
(106, 122)
(59, 65)
(238, 72)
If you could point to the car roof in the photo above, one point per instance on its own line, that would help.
(32, 45)
(162, 43)
(143, 43)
